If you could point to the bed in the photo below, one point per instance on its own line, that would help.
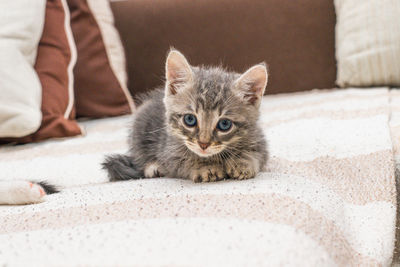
(327, 197)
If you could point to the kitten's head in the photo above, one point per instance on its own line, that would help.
(211, 109)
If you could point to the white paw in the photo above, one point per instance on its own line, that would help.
(152, 170)
(20, 192)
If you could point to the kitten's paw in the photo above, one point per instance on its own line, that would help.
(152, 170)
(207, 174)
(31, 193)
(22, 192)
(241, 171)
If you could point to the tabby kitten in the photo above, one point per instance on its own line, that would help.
(201, 126)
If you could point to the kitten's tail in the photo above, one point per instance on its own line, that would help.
(121, 167)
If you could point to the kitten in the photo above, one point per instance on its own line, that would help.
(202, 126)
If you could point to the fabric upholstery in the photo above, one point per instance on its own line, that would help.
(368, 42)
(21, 26)
(295, 39)
(55, 60)
(326, 198)
(100, 74)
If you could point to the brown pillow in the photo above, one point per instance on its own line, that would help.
(54, 64)
(100, 74)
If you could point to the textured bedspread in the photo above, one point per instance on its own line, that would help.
(328, 197)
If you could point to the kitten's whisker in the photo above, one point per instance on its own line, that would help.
(154, 131)
(240, 151)
(234, 157)
(231, 163)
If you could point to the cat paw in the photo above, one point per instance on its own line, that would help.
(241, 171)
(207, 174)
(152, 170)
(22, 192)
(33, 193)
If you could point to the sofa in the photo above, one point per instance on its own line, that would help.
(328, 194)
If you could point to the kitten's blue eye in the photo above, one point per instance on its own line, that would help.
(190, 120)
(224, 125)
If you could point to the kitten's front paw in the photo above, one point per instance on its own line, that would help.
(241, 171)
(207, 174)
(153, 170)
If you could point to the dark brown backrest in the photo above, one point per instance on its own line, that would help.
(295, 38)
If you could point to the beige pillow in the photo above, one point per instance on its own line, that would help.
(21, 25)
(368, 42)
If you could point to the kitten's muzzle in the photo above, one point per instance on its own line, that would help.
(203, 145)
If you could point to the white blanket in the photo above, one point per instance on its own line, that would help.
(328, 197)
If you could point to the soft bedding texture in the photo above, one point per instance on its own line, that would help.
(327, 198)
(100, 75)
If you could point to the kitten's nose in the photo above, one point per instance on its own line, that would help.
(203, 145)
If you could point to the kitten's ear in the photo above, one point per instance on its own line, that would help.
(251, 85)
(177, 71)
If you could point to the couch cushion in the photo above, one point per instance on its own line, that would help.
(54, 64)
(295, 38)
(368, 42)
(21, 25)
(100, 73)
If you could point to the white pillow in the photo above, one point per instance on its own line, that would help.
(21, 25)
(368, 42)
